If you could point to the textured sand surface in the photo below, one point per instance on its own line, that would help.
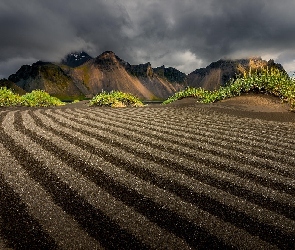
(181, 176)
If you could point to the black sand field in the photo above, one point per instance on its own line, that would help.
(181, 176)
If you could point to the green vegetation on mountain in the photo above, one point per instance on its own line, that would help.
(267, 80)
(115, 99)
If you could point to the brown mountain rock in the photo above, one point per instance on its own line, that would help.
(48, 77)
(219, 73)
(106, 72)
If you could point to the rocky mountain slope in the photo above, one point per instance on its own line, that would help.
(108, 72)
(219, 73)
(11, 85)
(46, 76)
(80, 76)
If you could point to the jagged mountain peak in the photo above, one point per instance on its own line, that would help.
(108, 60)
(108, 53)
(109, 56)
(171, 74)
(76, 59)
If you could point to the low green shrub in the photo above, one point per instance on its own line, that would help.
(272, 81)
(40, 98)
(115, 99)
(8, 98)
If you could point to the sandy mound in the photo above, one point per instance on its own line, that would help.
(256, 106)
(256, 103)
(251, 105)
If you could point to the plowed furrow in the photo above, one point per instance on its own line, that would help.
(145, 178)
(83, 162)
(227, 133)
(216, 120)
(220, 179)
(102, 216)
(103, 176)
(214, 145)
(269, 166)
(187, 166)
(21, 177)
(169, 219)
(205, 152)
(214, 198)
(198, 139)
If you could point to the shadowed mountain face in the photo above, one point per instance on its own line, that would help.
(219, 73)
(46, 76)
(172, 75)
(76, 59)
(11, 85)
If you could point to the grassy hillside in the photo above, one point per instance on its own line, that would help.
(271, 81)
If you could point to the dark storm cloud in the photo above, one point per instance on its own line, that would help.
(185, 34)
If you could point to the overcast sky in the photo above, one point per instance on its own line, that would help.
(186, 34)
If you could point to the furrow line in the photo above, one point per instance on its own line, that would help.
(55, 222)
(246, 127)
(229, 182)
(188, 131)
(19, 230)
(220, 120)
(197, 137)
(159, 196)
(186, 147)
(85, 163)
(102, 216)
(193, 233)
(215, 120)
(207, 197)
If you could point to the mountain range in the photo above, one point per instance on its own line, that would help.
(80, 76)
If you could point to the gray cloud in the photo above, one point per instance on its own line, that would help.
(184, 34)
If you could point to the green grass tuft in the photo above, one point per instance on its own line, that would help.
(115, 99)
(272, 81)
(8, 98)
(37, 98)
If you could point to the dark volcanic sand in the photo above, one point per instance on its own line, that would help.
(181, 176)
